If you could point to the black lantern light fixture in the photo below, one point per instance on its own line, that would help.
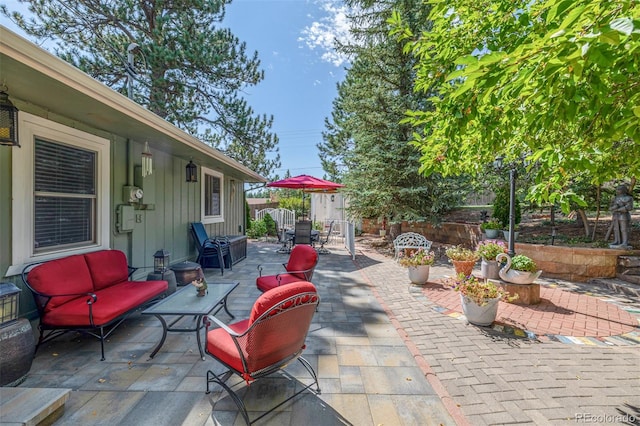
(8, 121)
(161, 261)
(9, 297)
(192, 172)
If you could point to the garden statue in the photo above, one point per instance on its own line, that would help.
(621, 207)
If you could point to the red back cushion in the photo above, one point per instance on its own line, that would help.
(61, 276)
(107, 267)
(276, 295)
(302, 258)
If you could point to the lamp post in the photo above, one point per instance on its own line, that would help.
(513, 174)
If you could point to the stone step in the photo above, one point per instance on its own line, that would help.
(31, 406)
(618, 285)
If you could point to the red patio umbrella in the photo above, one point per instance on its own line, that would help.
(307, 184)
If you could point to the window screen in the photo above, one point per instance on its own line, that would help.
(65, 196)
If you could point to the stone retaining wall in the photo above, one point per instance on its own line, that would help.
(569, 263)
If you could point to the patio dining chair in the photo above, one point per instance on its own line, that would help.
(212, 252)
(303, 232)
(322, 249)
(271, 338)
(302, 261)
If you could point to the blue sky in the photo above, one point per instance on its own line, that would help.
(300, 79)
(293, 39)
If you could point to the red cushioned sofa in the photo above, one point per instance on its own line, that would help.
(89, 292)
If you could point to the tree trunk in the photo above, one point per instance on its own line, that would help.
(585, 221)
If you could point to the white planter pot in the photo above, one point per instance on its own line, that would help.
(418, 274)
(490, 269)
(479, 315)
(514, 276)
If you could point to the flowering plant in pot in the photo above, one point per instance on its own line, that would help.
(480, 292)
(418, 262)
(463, 259)
(416, 257)
(479, 299)
(489, 249)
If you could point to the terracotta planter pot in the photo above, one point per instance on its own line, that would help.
(463, 266)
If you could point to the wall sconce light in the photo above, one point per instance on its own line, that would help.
(192, 172)
(161, 261)
(9, 295)
(147, 161)
(333, 198)
(232, 193)
(8, 121)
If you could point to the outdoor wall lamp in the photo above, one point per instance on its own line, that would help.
(192, 172)
(513, 174)
(147, 160)
(8, 121)
(160, 261)
(333, 198)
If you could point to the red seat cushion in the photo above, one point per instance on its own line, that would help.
(269, 282)
(112, 302)
(221, 346)
(69, 275)
(107, 267)
(302, 258)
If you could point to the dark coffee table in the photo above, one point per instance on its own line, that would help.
(185, 302)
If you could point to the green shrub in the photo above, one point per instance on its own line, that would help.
(258, 229)
(270, 224)
(501, 207)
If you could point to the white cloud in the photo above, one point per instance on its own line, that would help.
(322, 34)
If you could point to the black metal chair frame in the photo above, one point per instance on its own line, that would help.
(311, 301)
(322, 249)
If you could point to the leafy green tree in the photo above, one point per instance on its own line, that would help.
(554, 81)
(364, 145)
(188, 69)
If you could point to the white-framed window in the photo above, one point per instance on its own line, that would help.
(60, 191)
(212, 210)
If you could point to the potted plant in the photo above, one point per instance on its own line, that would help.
(463, 259)
(520, 269)
(479, 299)
(417, 261)
(491, 228)
(505, 233)
(488, 250)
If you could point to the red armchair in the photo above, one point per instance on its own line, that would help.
(273, 336)
(302, 262)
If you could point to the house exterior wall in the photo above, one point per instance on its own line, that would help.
(162, 219)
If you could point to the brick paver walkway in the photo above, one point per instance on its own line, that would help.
(485, 377)
(559, 312)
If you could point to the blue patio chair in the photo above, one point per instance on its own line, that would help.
(212, 252)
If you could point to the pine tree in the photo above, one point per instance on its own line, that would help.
(366, 145)
(188, 69)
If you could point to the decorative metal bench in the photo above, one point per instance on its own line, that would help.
(410, 240)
